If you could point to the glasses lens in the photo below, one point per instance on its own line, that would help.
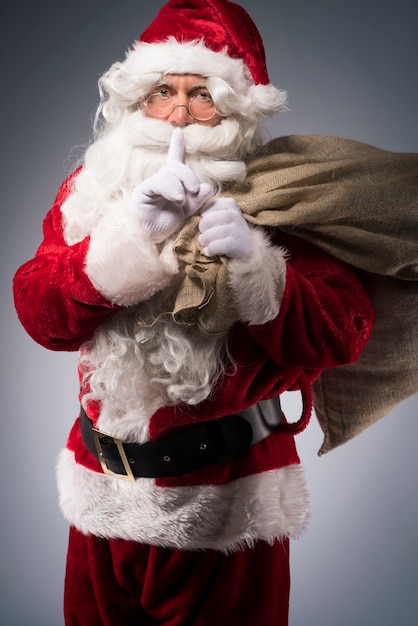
(159, 105)
(201, 107)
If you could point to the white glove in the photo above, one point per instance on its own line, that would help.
(163, 202)
(224, 230)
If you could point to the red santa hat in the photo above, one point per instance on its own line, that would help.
(208, 38)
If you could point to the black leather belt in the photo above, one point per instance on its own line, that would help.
(207, 443)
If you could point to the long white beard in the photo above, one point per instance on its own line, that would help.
(137, 148)
(142, 359)
(135, 365)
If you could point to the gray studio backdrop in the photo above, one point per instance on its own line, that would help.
(351, 70)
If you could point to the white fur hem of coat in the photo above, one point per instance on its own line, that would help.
(258, 282)
(266, 506)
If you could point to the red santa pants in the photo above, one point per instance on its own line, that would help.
(121, 583)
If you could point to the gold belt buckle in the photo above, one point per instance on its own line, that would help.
(97, 436)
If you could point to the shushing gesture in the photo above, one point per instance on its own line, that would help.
(163, 202)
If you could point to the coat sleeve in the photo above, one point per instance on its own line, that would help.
(66, 291)
(325, 316)
(324, 321)
(54, 298)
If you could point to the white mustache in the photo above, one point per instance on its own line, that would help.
(220, 141)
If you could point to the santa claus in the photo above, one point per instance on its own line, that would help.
(180, 478)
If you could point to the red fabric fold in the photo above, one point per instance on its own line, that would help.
(123, 583)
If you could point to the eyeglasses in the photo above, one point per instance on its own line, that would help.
(161, 104)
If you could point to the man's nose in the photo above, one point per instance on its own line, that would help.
(180, 116)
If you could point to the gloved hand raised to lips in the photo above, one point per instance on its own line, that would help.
(163, 202)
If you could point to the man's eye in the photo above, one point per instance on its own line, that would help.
(163, 93)
(202, 95)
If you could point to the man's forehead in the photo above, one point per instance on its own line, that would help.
(186, 78)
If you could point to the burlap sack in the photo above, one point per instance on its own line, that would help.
(351, 398)
(359, 203)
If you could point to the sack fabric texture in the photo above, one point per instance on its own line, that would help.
(359, 203)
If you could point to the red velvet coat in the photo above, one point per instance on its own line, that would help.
(323, 321)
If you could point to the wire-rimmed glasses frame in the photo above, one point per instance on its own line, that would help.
(171, 105)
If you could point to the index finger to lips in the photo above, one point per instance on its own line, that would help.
(176, 148)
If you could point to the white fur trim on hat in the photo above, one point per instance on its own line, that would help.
(190, 57)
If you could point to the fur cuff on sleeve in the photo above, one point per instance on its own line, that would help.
(258, 282)
(123, 264)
